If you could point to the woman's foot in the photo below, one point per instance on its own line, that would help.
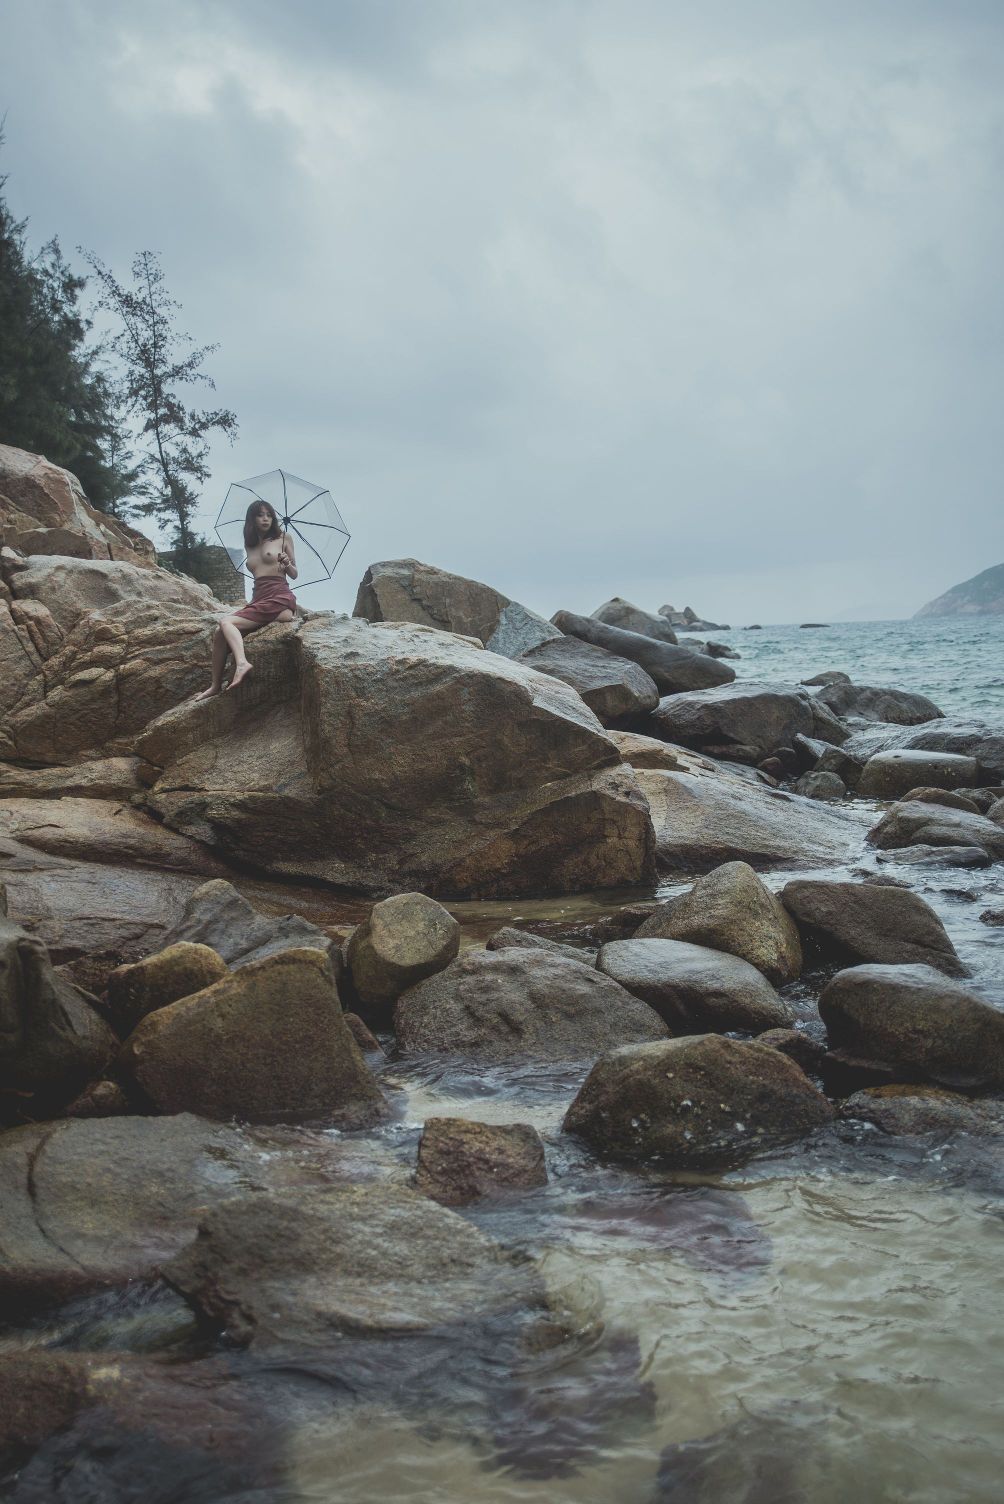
(207, 694)
(240, 672)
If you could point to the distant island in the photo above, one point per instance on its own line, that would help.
(983, 595)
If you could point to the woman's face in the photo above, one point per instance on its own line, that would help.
(262, 521)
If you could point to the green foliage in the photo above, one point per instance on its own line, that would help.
(55, 397)
(158, 362)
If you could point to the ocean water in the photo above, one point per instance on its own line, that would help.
(958, 662)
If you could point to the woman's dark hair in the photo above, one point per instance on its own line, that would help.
(251, 533)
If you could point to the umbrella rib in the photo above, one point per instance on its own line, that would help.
(329, 525)
(322, 492)
(307, 544)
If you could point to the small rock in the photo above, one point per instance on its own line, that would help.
(510, 938)
(911, 1109)
(178, 971)
(992, 916)
(821, 786)
(802, 1048)
(102, 1099)
(362, 1034)
(830, 676)
(405, 939)
(949, 797)
(937, 856)
(461, 1161)
(695, 989)
(731, 909)
(890, 775)
(921, 824)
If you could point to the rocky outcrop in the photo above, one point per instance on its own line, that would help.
(868, 702)
(405, 590)
(300, 1270)
(618, 612)
(105, 778)
(672, 668)
(918, 823)
(688, 620)
(731, 910)
(514, 1005)
(745, 720)
(102, 830)
(612, 687)
(91, 651)
(964, 737)
(460, 1161)
(52, 1041)
(702, 1102)
(702, 820)
(175, 972)
(104, 1201)
(267, 1044)
(891, 775)
(983, 595)
(915, 1024)
(861, 922)
(403, 940)
(335, 772)
(43, 510)
(695, 989)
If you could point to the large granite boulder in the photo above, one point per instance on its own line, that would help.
(915, 1024)
(701, 1102)
(918, 823)
(618, 612)
(43, 510)
(861, 922)
(103, 1201)
(695, 989)
(731, 909)
(704, 819)
(405, 590)
(514, 1005)
(394, 756)
(890, 775)
(612, 687)
(672, 668)
(869, 702)
(301, 1270)
(966, 738)
(266, 1044)
(460, 1161)
(90, 651)
(216, 915)
(746, 720)
(52, 1041)
(102, 830)
(402, 941)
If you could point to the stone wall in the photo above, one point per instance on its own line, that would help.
(211, 566)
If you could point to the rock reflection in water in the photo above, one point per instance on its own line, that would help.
(762, 1459)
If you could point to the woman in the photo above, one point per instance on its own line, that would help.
(270, 558)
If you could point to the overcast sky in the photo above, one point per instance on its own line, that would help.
(686, 302)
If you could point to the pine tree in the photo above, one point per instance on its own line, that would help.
(158, 362)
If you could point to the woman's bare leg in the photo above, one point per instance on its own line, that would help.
(220, 651)
(227, 639)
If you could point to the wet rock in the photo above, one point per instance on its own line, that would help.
(968, 738)
(688, 620)
(830, 676)
(510, 938)
(821, 786)
(890, 775)
(760, 717)
(923, 824)
(910, 1109)
(52, 1041)
(798, 1046)
(101, 1201)
(992, 917)
(837, 760)
(267, 1044)
(947, 797)
(102, 830)
(105, 778)
(521, 1005)
(915, 1023)
(870, 703)
(403, 940)
(672, 668)
(527, 794)
(43, 510)
(702, 821)
(621, 613)
(861, 922)
(612, 687)
(362, 1034)
(731, 910)
(299, 1271)
(937, 856)
(827, 726)
(405, 590)
(461, 1161)
(996, 812)
(808, 750)
(693, 988)
(649, 752)
(101, 1099)
(178, 971)
(217, 916)
(700, 1102)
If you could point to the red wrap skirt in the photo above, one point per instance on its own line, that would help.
(270, 597)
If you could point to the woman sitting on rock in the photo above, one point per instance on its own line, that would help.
(270, 558)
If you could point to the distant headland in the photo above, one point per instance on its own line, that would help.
(983, 595)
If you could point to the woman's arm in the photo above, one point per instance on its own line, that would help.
(287, 557)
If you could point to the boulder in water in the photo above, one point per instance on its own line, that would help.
(701, 1102)
(826, 786)
(924, 824)
(731, 909)
(672, 668)
(695, 989)
(861, 922)
(514, 1005)
(460, 1161)
(868, 702)
(621, 613)
(403, 940)
(891, 775)
(511, 938)
(747, 715)
(909, 1109)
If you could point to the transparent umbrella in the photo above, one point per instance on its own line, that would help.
(304, 509)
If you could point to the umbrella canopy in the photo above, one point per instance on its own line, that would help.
(305, 510)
